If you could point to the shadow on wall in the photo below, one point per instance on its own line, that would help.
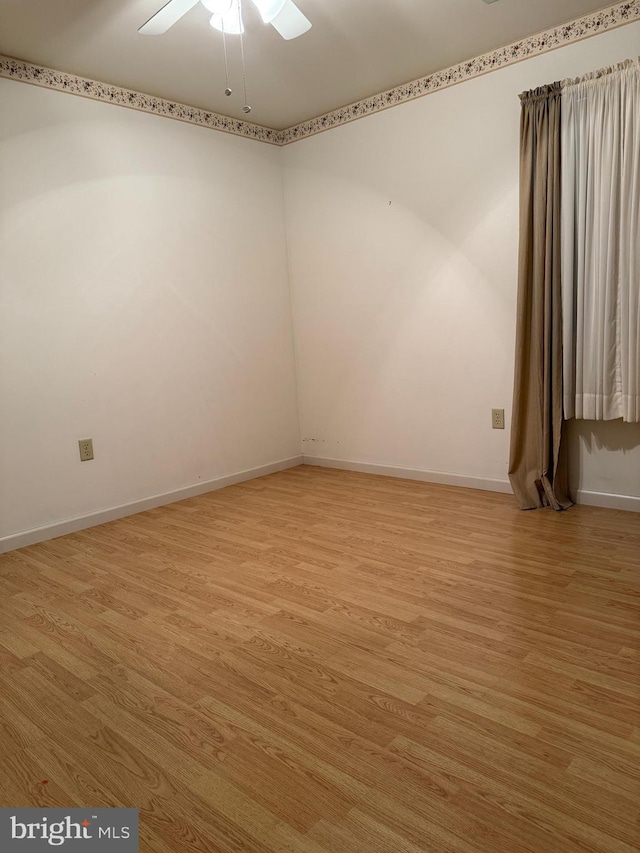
(607, 435)
(604, 456)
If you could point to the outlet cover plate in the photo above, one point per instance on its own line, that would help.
(497, 418)
(86, 449)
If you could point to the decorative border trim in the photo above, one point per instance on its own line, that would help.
(582, 28)
(92, 519)
(26, 72)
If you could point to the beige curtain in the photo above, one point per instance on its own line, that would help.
(537, 465)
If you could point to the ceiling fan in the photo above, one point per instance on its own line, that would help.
(283, 15)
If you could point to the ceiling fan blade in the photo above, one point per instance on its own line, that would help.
(167, 17)
(290, 22)
(269, 8)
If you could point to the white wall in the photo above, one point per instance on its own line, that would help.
(144, 299)
(604, 461)
(144, 302)
(403, 231)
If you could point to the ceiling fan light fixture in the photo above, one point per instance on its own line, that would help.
(231, 22)
(269, 9)
(227, 24)
(218, 7)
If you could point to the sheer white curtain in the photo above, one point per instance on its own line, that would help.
(600, 130)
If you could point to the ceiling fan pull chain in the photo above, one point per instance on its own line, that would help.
(246, 108)
(227, 90)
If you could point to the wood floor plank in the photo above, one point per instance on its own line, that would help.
(320, 661)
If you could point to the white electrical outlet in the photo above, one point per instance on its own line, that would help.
(86, 449)
(497, 418)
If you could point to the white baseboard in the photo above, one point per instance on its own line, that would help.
(442, 477)
(630, 503)
(71, 525)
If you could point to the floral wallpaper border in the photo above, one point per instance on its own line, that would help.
(26, 72)
(581, 28)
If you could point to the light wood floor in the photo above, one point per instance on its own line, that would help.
(327, 661)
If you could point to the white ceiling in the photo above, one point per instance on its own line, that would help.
(355, 48)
